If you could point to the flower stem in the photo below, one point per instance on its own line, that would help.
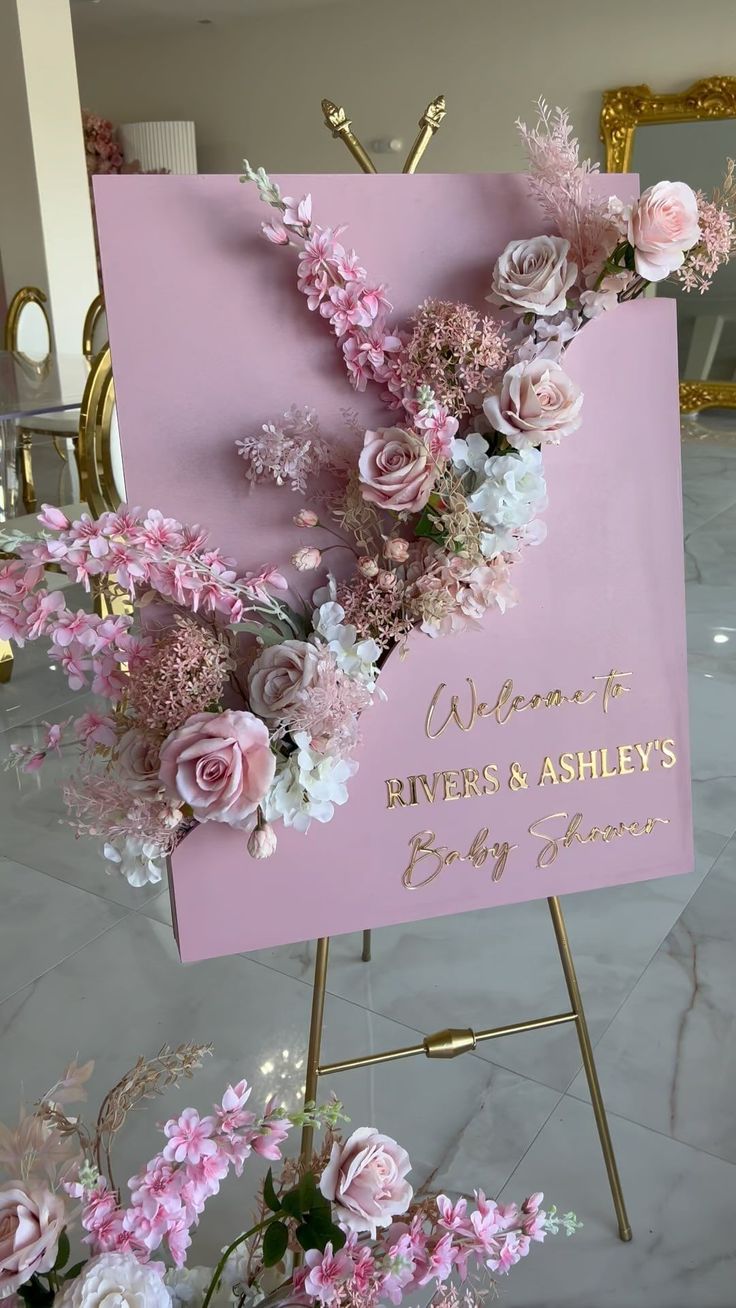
(260, 1226)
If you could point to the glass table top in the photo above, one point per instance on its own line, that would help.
(29, 386)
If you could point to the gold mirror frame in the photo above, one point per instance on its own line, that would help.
(629, 107)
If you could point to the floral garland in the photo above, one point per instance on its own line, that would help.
(350, 1212)
(245, 707)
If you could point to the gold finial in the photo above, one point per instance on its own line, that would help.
(339, 124)
(428, 125)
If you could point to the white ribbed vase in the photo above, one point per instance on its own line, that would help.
(160, 145)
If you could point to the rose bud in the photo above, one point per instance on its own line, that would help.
(306, 518)
(262, 841)
(386, 580)
(367, 566)
(397, 549)
(306, 560)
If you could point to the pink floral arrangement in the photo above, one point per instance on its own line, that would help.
(239, 700)
(341, 1229)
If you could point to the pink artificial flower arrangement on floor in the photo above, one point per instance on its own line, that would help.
(240, 699)
(349, 1214)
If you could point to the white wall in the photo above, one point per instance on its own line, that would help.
(46, 234)
(254, 85)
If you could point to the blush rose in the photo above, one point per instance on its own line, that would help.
(366, 1180)
(537, 403)
(396, 469)
(221, 764)
(31, 1221)
(534, 275)
(662, 226)
(279, 677)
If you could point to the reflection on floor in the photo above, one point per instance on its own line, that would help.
(89, 965)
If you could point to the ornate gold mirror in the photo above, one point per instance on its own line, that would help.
(685, 137)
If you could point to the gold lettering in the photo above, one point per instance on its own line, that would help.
(625, 765)
(395, 789)
(421, 847)
(454, 713)
(489, 775)
(568, 771)
(573, 834)
(670, 757)
(429, 791)
(590, 762)
(605, 770)
(470, 782)
(451, 780)
(613, 688)
(644, 751)
(548, 772)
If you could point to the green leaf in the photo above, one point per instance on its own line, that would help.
(72, 1272)
(275, 1242)
(269, 1194)
(307, 1192)
(264, 633)
(64, 1250)
(319, 1230)
(290, 1203)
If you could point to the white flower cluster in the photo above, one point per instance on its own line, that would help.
(307, 786)
(357, 658)
(506, 491)
(137, 859)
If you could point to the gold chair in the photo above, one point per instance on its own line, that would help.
(28, 337)
(103, 487)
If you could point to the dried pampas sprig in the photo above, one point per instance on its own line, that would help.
(147, 1079)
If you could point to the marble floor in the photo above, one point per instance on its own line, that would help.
(89, 965)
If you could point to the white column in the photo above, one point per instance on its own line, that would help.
(46, 234)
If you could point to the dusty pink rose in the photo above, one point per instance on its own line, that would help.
(366, 1180)
(307, 559)
(534, 275)
(31, 1221)
(138, 759)
(662, 226)
(396, 469)
(537, 402)
(220, 764)
(279, 676)
(397, 549)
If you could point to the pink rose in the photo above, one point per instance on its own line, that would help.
(138, 759)
(31, 1221)
(365, 1180)
(396, 470)
(662, 226)
(534, 275)
(221, 764)
(537, 402)
(279, 677)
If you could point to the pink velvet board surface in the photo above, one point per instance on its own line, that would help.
(210, 338)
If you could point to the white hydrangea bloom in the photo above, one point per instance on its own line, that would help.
(470, 454)
(307, 786)
(140, 861)
(188, 1285)
(355, 657)
(507, 493)
(115, 1278)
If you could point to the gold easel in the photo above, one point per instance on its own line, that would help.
(453, 1041)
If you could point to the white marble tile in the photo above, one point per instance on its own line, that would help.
(485, 969)
(126, 993)
(681, 1204)
(712, 731)
(42, 922)
(709, 482)
(709, 550)
(668, 1060)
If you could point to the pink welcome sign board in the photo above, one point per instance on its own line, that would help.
(513, 797)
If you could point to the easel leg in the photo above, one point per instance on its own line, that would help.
(366, 954)
(586, 1050)
(315, 1039)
